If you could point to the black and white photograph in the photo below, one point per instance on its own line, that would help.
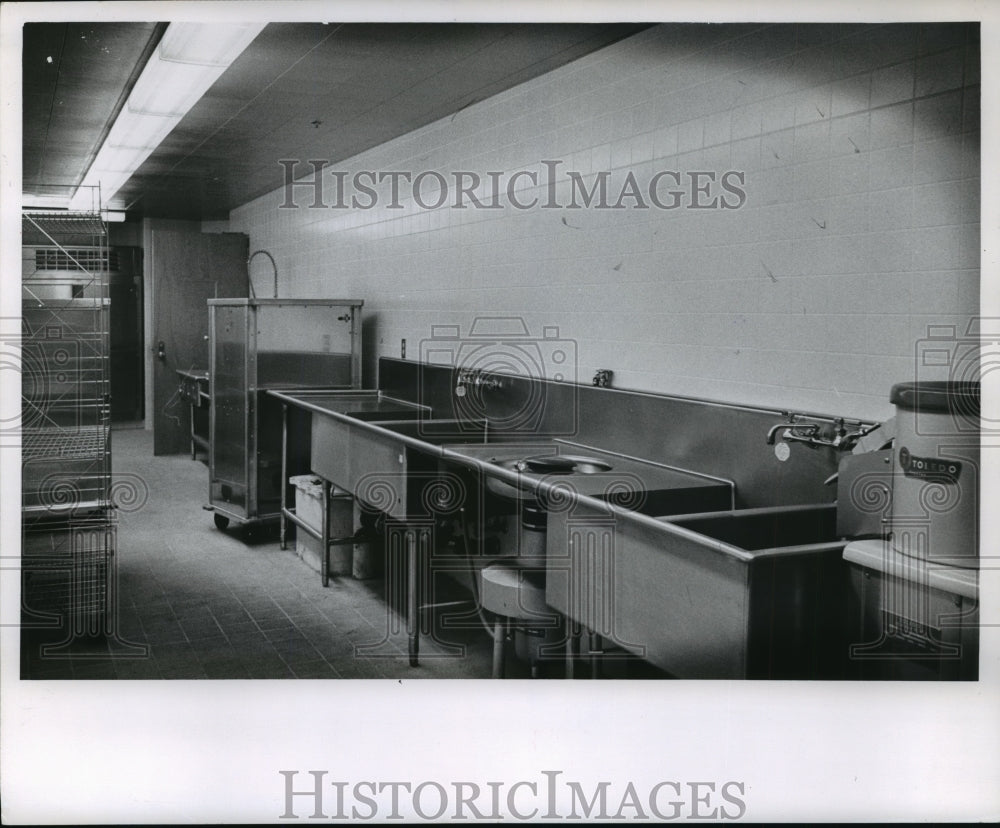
(630, 364)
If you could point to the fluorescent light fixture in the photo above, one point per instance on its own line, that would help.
(30, 201)
(189, 58)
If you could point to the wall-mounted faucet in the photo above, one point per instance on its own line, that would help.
(476, 379)
(815, 433)
(250, 258)
(794, 431)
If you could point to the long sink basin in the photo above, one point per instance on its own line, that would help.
(360, 405)
(554, 469)
(757, 593)
(765, 532)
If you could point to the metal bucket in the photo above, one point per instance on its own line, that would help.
(935, 496)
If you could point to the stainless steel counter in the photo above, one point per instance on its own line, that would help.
(193, 389)
(681, 577)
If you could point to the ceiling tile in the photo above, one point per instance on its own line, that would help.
(300, 90)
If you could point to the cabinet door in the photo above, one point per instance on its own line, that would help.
(188, 269)
(126, 357)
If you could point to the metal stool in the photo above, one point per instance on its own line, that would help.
(517, 597)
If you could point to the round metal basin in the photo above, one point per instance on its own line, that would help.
(562, 464)
(542, 465)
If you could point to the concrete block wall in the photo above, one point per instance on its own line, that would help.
(859, 146)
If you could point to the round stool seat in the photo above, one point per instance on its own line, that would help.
(512, 592)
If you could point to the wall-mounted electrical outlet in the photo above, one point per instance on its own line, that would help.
(602, 377)
(402, 349)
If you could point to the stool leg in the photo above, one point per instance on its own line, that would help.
(284, 472)
(571, 637)
(498, 643)
(595, 653)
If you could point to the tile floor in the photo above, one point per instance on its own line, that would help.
(197, 603)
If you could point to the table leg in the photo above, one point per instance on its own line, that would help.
(284, 471)
(324, 534)
(194, 451)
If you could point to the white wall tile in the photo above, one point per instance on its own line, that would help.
(892, 84)
(850, 95)
(940, 72)
(891, 168)
(937, 115)
(860, 225)
(849, 173)
(937, 161)
(891, 126)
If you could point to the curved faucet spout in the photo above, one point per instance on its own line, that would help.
(250, 258)
(774, 430)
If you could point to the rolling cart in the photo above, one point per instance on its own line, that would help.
(256, 345)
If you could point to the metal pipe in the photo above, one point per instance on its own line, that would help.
(250, 258)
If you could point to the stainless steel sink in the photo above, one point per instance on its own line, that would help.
(756, 593)
(764, 531)
(360, 405)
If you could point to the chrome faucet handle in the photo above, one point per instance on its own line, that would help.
(773, 430)
(816, 434)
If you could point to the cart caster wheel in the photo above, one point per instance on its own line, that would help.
(221, 522)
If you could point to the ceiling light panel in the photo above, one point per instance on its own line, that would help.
(207, 44)
(188, 60)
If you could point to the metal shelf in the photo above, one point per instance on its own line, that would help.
(68, 519)
(65, 383)
(84, 443)
(39, 226)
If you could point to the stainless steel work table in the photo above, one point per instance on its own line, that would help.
(194, 389)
